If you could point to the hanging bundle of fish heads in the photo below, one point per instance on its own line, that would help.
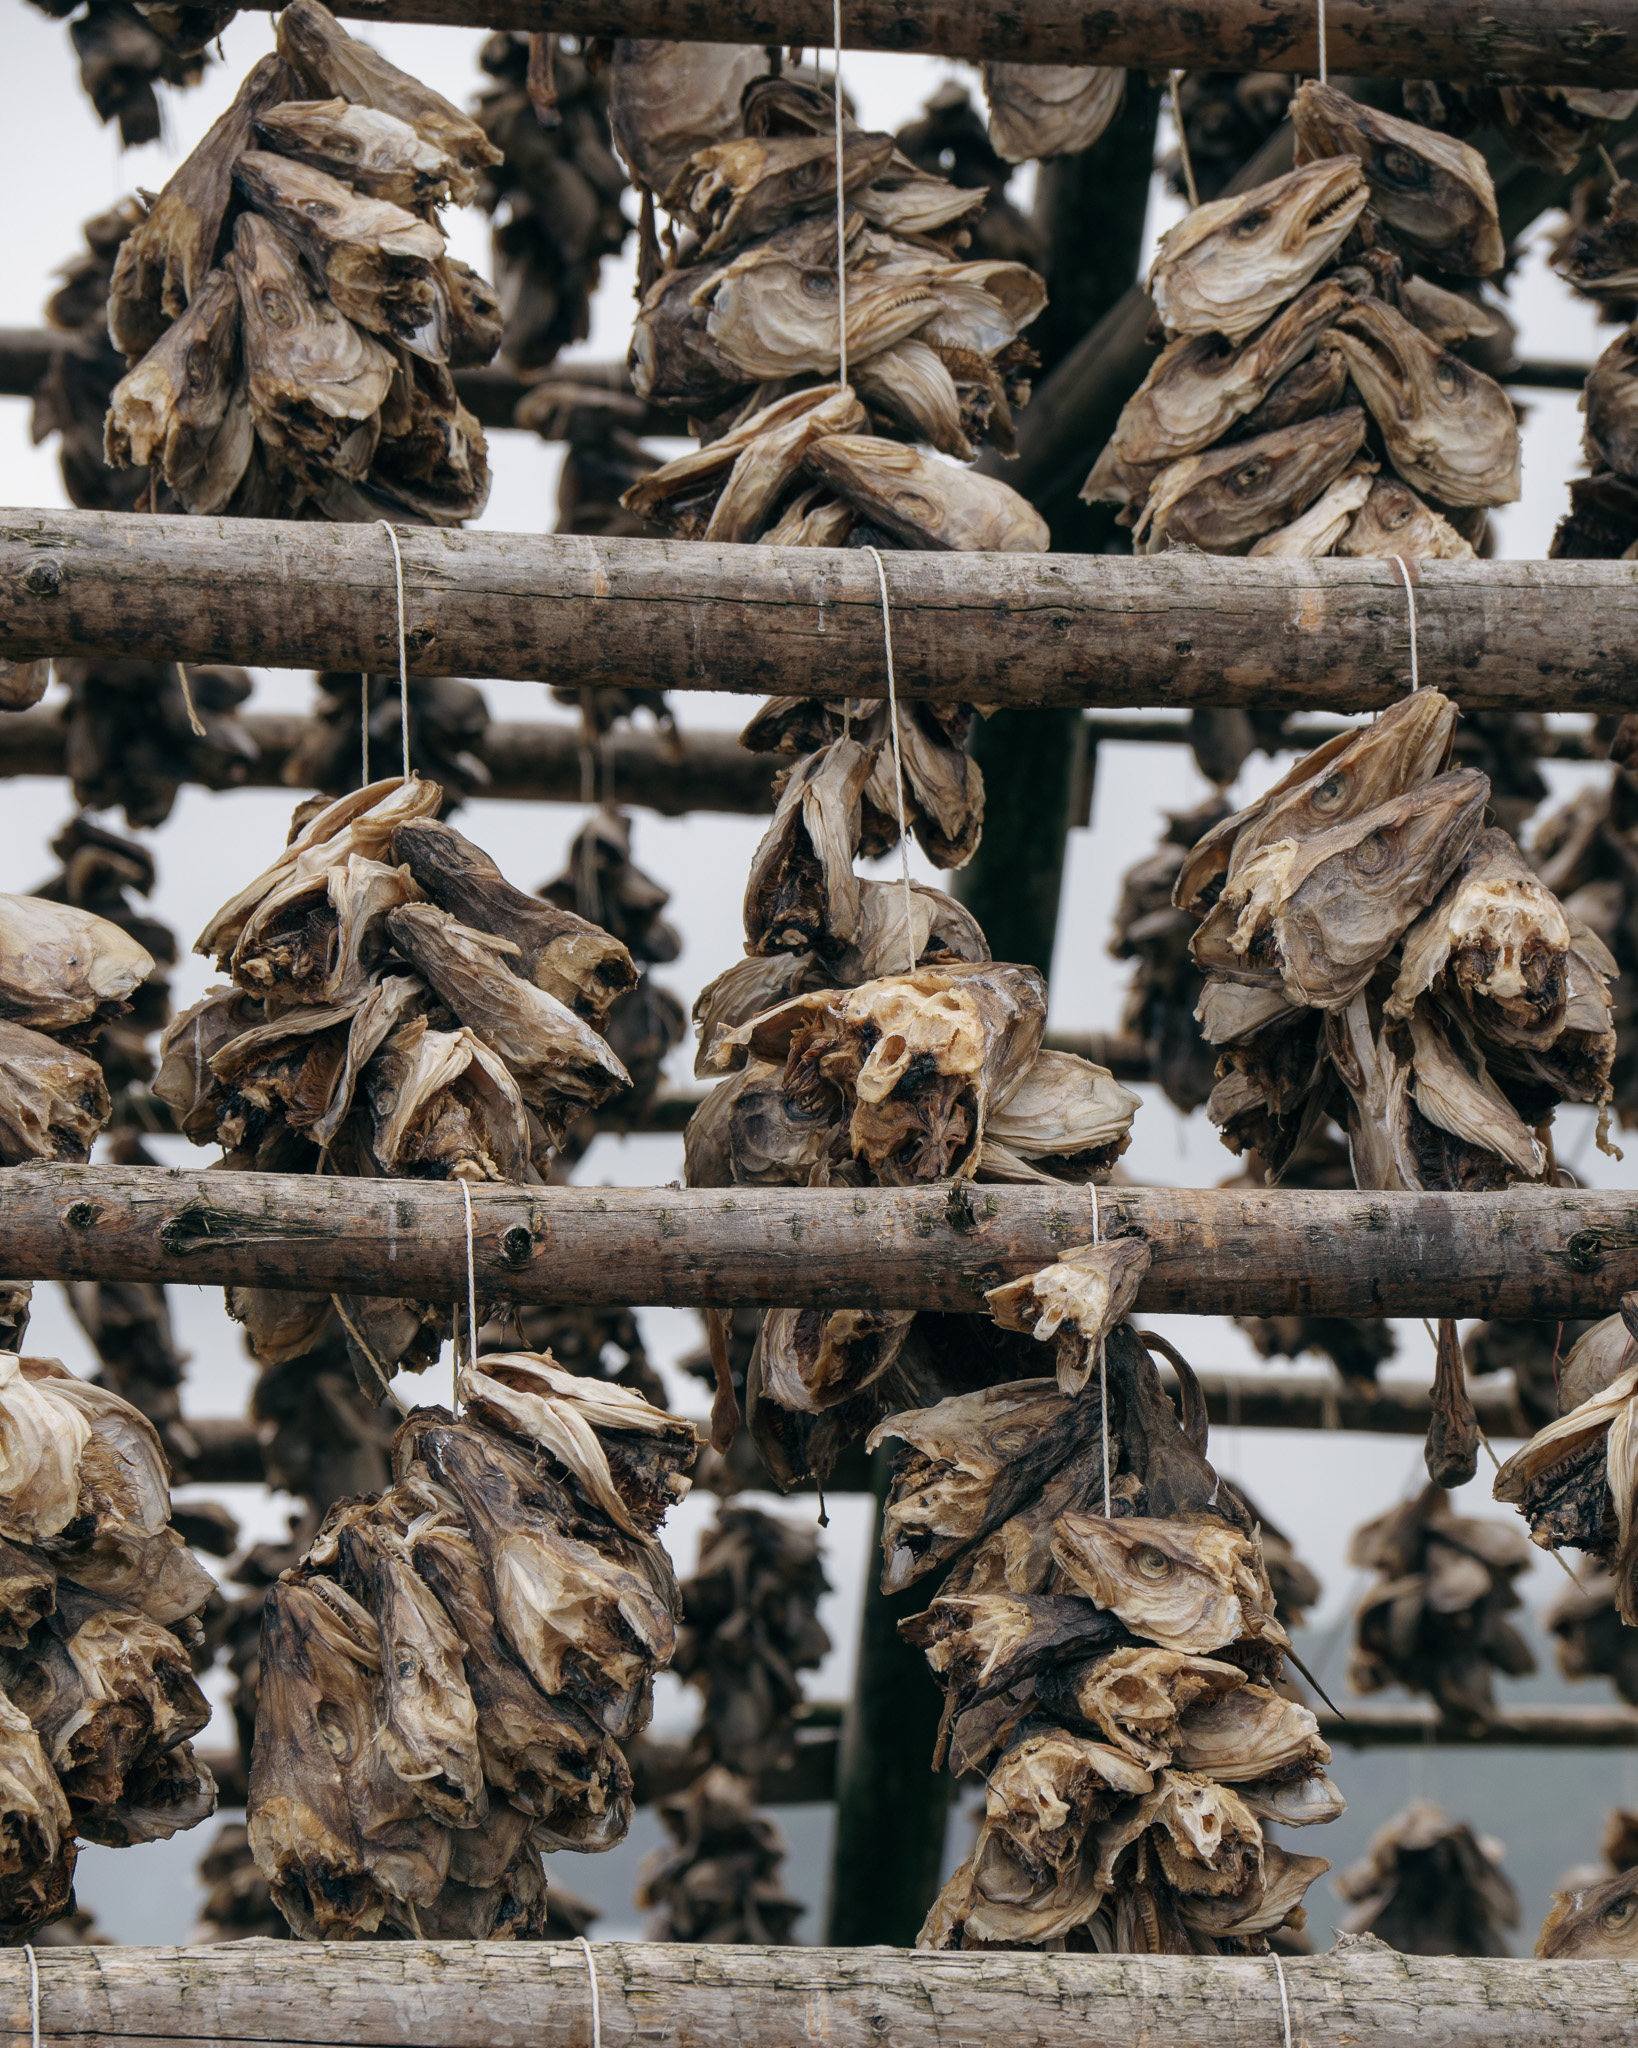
(287, 307)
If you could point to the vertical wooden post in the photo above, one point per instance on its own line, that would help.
(891, 1805)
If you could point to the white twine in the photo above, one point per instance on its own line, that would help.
(33, 1995)
(898, 769)
(471, 1301)
(1410, 599)
(1103, 1363)
(1279, 1967)
(194, 719)
(1183, 145)
(1323, 79)
(591, 1975)
(364, 731)
(403, 658)
(841, 202)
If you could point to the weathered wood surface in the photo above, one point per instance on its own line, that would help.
(538, 1995)
(1527, 1252)
(1005, 629)
(1502, 40)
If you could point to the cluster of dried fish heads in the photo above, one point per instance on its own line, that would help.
(288, 309)
(1311, 397)
(446, 1677)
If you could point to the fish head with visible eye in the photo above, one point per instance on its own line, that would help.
(1407, 746)
(924, 502)
(734, 191)
(1227, 497)
(1394, 521)
(1230, 264)
(1597, 1924)
(1450, 430)
(1434, 192)
(775, 311)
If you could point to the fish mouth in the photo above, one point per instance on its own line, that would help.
(1340, 184)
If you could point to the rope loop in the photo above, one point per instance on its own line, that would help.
(898, 766)
(403, 657)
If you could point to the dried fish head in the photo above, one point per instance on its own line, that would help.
(373, 151)
(731, 192)
(1046, 1791)
(330, 64)
(983, 1644)
(156, 1574)
(160, 1799)
(1232, 262)
(974, 1461)
(1185, 1585)
(446, 1108)
(1207, 1839)
(1083, 1295)
(28, 1593)
(1137, 1697)
(1230, 495)
(42, 1440)
(1449, 430)
(61, 966)
(1047, 110)
(1251, 1732)
(1317, 531)
(1432, 190)
(673, 357)
(812, 1360)
(667, 100)
(924, 502)
(912, 384)
(53, 1100)
(1069, 1119)
(993, 1901)
(1592, 1923)
(1610, 402)
(1593, 1361)
(1273, 1898)
(1499, 938)
(1394, 521)
(802, 894)
(773, 310)
(767, 1138)
(184, 409)
(36, 1830)
(1295, 1802)
(1322, 913)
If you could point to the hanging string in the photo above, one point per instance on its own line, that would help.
(1324, 79)
(1410, 599)
(403, 658)
(1183, 145)
(1103, 1363)
(194, 719)
(841, 200)
(898, 767)
(1279, 1967)
(33, 1996)
(471, 1302)
(364, 731)
(591, 1975)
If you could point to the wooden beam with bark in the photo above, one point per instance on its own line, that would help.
(1533, 1252)
(452, 1994)
(1165, 630)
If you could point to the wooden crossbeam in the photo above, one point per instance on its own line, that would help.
(1533, 1252)
(1178, 629)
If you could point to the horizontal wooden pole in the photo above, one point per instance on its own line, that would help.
(539, 1995)
(1179, 629)
(1526, 1252)
(1282, 1399)
(1516, 1727)
(1546, 41)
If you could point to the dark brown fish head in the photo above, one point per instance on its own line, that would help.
(1231, 264)
(1223, 500)
(1450, 430)
(1602, 261)
(1598, 1924)
(1432, 190)
(1610, 402)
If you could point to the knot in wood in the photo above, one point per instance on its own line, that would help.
(80, 1215)
(959, 1212)
(516, 1245)
(1585, 1251)
(44, 578)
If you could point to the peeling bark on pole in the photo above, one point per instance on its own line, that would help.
(1175, 629)
(1533, 1252)
(404, 1994)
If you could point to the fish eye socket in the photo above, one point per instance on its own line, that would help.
(1448, 376)
(1252, 475)
(1330, 793)
(1402, 167)
(277, 310)
(1250, 224)
(819, 284)
(1152, 1563)
(1619, 1912)
(806, 176)
(1371, 855)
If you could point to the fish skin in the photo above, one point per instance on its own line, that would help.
(1230, 496)
(373, 151)
(731, 192)
(924, 503)
(1595, 1923)
(1433, 191)
(1449, 430)
(669, 99)
(184, 407)
(1039, 111)
(1394, 521)
(1232, 263)
(1610, 402)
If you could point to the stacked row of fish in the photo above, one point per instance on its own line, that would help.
(1375, 953)
(1310, 398)
(1108, 1646)
(1597, 256)
(99, 1606)
(872, 1041)
(71, 400)
(288, 307)
(396, 1007)
(750, 1627)
(446, 1677)
(741, 322)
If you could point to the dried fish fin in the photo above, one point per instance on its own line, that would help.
(1452, 1449)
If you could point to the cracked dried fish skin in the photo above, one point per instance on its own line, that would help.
(1449, 430)
(1233, 262)
(1434, 191)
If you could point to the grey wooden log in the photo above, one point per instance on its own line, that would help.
(1517, 1727)
(1544, 41)
(1280, 1399)
(1527, 1252)
(539, 1995)
(1006, 629)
